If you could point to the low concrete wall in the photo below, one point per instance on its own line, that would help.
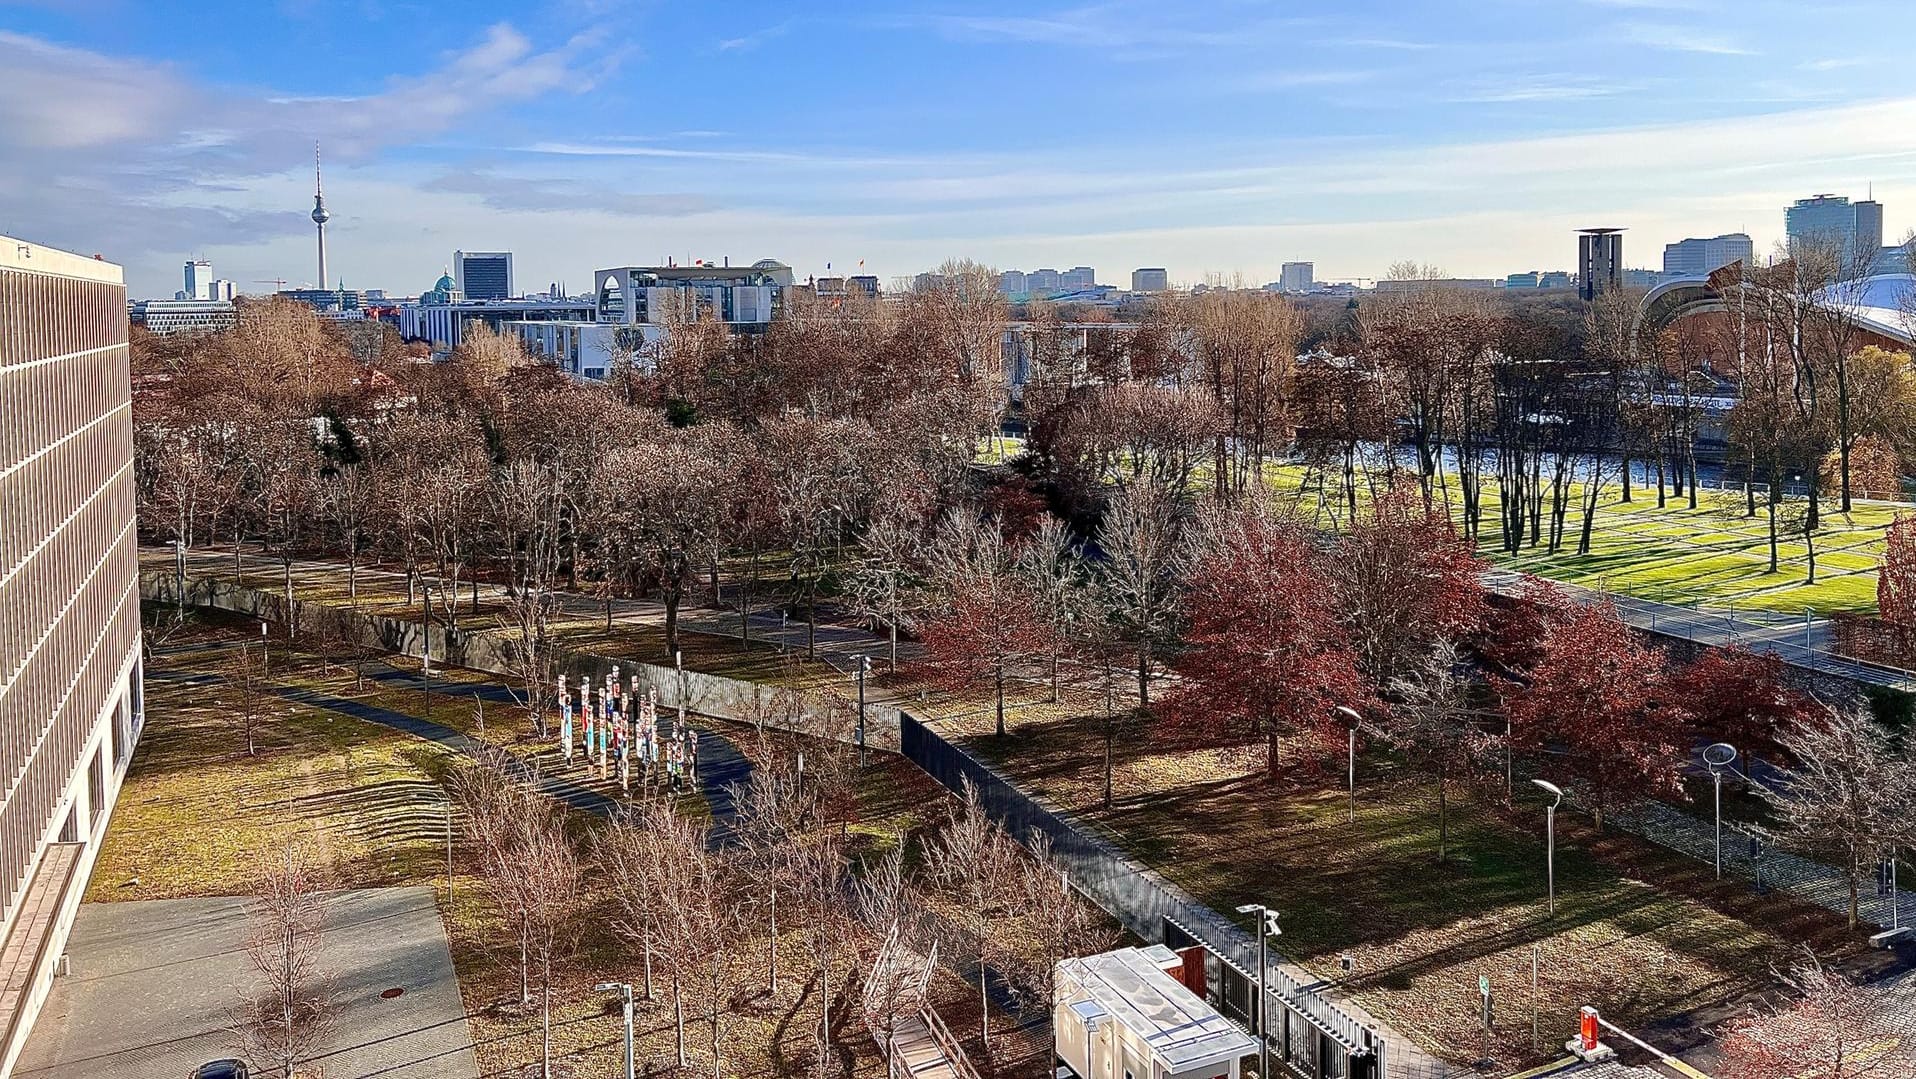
(707, 694)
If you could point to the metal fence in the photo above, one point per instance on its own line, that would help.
(1150, 906)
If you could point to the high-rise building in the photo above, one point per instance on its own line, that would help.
(1697, 256)
(1853, 229)
(70, 700)
(1150, 279)
(320, 216)
(1045, 282)
(1296, 277)
(1078, 278)
(1014, 283)
(483, 275)
(1599, 261)
(199, 280)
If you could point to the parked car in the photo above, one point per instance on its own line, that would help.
(222, 1069)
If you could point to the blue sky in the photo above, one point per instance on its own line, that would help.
(1214, 138)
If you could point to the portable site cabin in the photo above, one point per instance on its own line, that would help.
(1121, 1015)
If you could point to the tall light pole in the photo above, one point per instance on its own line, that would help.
(1716, 757)
(179, 576)
(1351, 715)
(1266, 929)
(864, 668)
(625, 1000)
(1550, 838)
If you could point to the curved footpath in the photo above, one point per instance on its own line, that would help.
(721, 765)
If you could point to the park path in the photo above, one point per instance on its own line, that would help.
(1805, 642)
(721, 765)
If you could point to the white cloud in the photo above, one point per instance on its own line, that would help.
(1676, 38)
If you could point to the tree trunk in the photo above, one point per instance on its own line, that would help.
(1144, 677)
(998, 679)
(545, 1020)
(1443, 819)
(678, 1018)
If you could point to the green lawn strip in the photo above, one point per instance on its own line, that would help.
(1642, 550)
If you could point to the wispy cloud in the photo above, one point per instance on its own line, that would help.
(564, 195)
(1115, 26)
(1392, 43)
(1545, 87)
(748, 42)
(1835, 63)
(1291, 80)
(1677, 38)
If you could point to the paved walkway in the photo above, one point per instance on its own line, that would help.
(721, 765)
(1801, 641)
(1670, 827)
(153, 984)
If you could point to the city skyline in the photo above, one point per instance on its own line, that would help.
(1448, 134)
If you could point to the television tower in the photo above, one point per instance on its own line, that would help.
(320, 216)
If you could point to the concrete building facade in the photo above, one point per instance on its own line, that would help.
(1855, 228)
(1150, 279)
(442, 324)
(1296, 277)
(1697, 256)
(70, 698)
(1599, 261)
(744, 297)
(483, 275)
(588, 350)
(163, 318)
(198, 279)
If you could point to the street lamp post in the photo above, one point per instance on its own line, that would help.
(1351, 715)
(1266, 929)
(625, 1001)
(864, 668)
(179, 576)
(1550, 838)
(1716, 757)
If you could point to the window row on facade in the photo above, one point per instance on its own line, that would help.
(50, 488)
(30, 701)
(44, 403)
(41, 769)
(45, 315)
(32, 598)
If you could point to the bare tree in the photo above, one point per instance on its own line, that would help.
(1849, 798)
(289, 1012)
(1058, 924)
(1146, 555)
(884, 581)
(1435, 720)
(1834, 1029)
(527, 505)
(973, 859)
(349, 496)
(247, 677)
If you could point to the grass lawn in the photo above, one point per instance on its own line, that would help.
(1712, 555)
(1640, 932)
(196, 809)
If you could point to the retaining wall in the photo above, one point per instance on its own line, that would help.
(488, 650)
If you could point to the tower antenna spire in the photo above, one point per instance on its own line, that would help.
(320, 215)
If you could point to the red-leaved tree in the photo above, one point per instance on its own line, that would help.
(1896, 583)
(1599, 707)
(1406, 579)
(1738, 696)
(1265, 654)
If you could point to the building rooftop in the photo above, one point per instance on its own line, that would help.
(1130, 986)
(21, 255)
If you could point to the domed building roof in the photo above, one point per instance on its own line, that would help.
(445, 283)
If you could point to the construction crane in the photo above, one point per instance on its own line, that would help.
(278, 283)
